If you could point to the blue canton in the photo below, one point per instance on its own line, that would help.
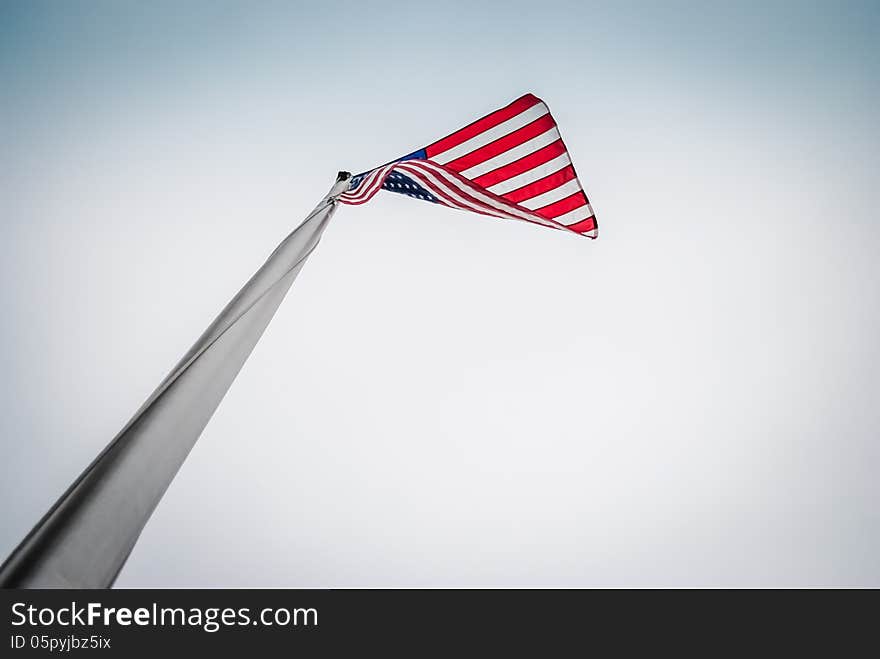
(397, 182)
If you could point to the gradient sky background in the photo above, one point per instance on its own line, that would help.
(444, 399)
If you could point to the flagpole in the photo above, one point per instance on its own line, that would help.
(86, 537)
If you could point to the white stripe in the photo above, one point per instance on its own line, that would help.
(502, 205)
(532, 175)
(564, 190)
(575, 216)
(502, 129)
(510, 155)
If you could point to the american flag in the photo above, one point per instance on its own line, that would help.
(510, 164)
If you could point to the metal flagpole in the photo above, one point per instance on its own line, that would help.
(86, 537)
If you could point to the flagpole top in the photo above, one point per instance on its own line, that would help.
(340, 186)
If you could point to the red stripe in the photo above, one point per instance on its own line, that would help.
(540, 125)
(524, 164)
(563, 206)
(584, 225)
(480, 125)
(541, 186)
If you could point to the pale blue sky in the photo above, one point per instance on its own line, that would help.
(443, 399)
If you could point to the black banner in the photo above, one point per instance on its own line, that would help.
(146, 622)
